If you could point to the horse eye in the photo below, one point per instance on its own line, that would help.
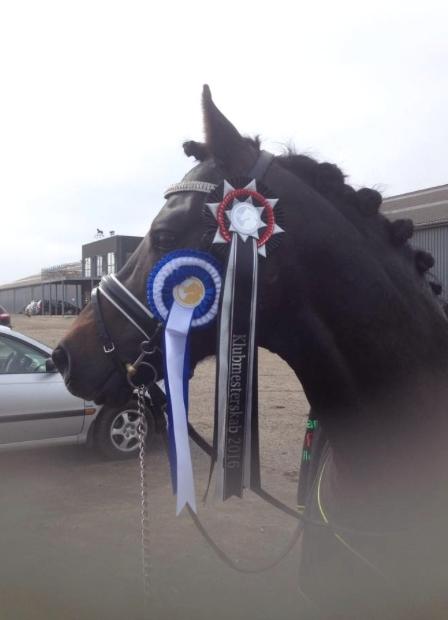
(163, 239)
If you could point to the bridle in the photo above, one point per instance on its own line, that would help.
(143, 320)
(132, 308)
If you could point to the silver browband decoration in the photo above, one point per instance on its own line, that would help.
(190, 186)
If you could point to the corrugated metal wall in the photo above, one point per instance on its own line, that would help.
(7, 300)
(435, 240)
(15, 299)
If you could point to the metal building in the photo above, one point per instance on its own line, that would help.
(66, 288)
(103, 256)
(428, 209)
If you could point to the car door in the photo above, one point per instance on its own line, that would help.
(34, 403)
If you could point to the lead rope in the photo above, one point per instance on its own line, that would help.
(233, 564)
(144, 513)
(221, 554)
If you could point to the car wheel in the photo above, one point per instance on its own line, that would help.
(117, 432)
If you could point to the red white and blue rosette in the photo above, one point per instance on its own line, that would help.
(183, 292)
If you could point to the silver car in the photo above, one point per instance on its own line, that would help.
(37, 409)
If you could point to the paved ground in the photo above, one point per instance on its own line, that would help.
(69, 522)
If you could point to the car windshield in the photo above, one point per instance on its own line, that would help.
(17, 357)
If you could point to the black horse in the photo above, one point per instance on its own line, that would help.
(345, 302)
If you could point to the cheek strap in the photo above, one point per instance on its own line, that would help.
(103, 333)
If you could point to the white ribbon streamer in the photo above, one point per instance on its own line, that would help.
(176, 332)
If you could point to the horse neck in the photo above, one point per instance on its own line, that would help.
(388, 448)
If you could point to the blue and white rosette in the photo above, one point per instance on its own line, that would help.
(183, 293)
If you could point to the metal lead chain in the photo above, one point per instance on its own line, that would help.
(144, 501)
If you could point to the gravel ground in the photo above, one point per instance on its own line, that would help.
(70, 521)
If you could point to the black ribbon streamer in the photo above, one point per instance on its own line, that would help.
(236, 416)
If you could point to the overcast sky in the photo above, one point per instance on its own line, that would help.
(97, 97)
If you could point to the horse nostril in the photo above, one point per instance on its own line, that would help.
(62, 361)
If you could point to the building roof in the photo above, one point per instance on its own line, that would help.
(425, 207)
(28, 281)
(104, 242)
(67, 271)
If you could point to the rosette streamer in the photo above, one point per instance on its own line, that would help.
(183, 293)
(246, 220)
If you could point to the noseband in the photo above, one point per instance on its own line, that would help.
(136, 313)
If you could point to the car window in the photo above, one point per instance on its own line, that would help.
(17, 357)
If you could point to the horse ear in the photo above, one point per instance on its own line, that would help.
(222, 138)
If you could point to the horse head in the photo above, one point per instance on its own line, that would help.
(343, 299)
(179, 224)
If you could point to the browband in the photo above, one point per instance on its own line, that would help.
(190, 186)
(258, 170)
